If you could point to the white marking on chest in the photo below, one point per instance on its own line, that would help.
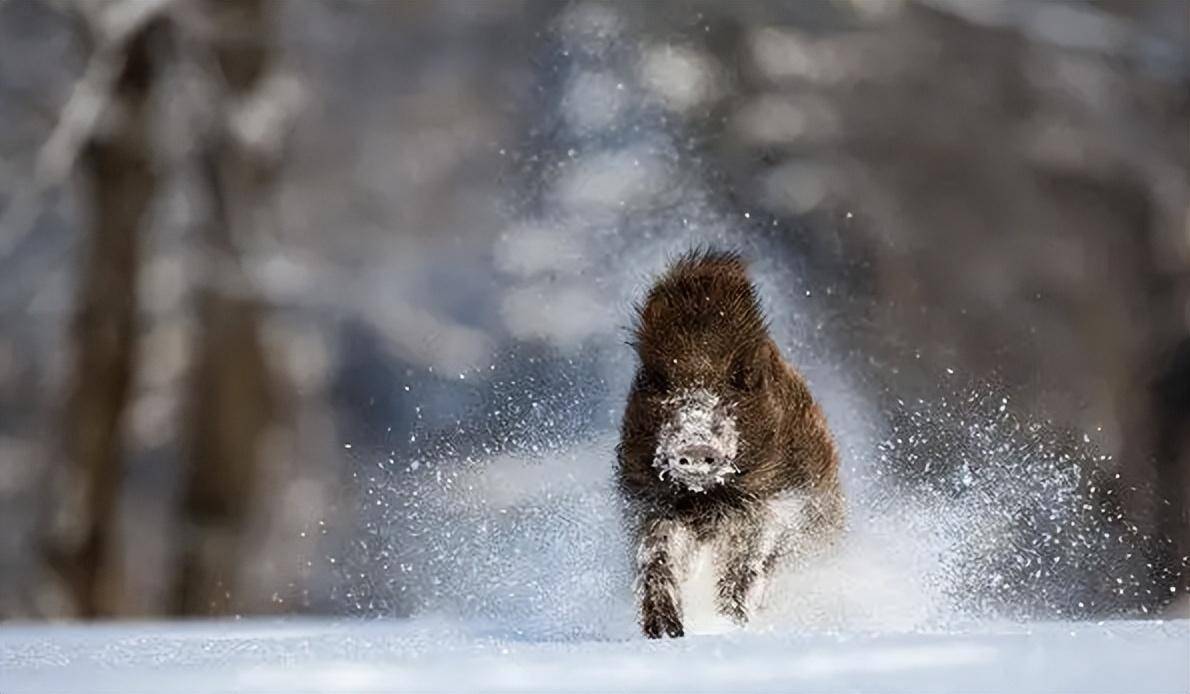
(698, 588)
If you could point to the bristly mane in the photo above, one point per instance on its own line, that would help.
(706, 257)
(711, 271)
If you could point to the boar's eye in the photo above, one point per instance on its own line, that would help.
(747, 373)
(652, 379)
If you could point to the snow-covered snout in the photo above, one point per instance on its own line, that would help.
(697, 444)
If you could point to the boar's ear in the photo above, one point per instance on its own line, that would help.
(751, 367)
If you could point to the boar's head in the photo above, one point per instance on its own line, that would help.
(702, 410)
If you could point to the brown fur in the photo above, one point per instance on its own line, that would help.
(701, 325)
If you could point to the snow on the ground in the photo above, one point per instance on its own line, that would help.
(428, 655)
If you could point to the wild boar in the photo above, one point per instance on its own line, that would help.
(722, 445)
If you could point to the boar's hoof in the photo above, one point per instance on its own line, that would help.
(657, 625)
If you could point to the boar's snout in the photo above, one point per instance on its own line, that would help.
(697, 446)
(700, 457)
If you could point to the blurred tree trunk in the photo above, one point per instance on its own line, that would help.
(222, 48)
(233, 399)
(116, 163)
(1157, 481)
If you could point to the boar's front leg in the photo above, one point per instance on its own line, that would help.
(743, 557)
(662, 546)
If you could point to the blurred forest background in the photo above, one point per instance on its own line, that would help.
(258, 259)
